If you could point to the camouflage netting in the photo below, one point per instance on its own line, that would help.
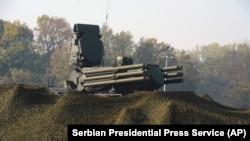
(34, 113)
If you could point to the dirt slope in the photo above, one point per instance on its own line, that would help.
(30, 112)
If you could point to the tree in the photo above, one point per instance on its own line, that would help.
(150, 51)
(165, 54)
(107, 39)
(119, 44)
(51, 32)
(123, 44)
(60, 63)
(17, 50)
(224, 72)
(145, 51)
(21, 76)
(1, 32)
(190, 75)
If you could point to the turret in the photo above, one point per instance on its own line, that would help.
(90, 76)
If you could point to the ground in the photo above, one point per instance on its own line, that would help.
(31, 112)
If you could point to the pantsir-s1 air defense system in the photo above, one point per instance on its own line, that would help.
(90, 76)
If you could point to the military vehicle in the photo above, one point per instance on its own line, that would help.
(90, 76)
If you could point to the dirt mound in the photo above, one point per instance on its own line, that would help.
(35, 113)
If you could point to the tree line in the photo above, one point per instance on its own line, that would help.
(40, 56)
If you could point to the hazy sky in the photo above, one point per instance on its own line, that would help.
(184, 24)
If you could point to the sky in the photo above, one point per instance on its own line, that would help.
(184, 24)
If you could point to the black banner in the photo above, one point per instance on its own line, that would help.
(230, 132)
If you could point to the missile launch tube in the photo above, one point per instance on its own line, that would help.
(134, 79)
(93, 72)
(115, 76)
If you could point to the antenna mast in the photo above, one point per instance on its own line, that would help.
(105, 26)
(107, 13)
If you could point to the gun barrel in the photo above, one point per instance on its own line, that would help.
(171, 68)
(172, 74)
(170, 81)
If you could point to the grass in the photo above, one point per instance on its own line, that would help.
(31, 112)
